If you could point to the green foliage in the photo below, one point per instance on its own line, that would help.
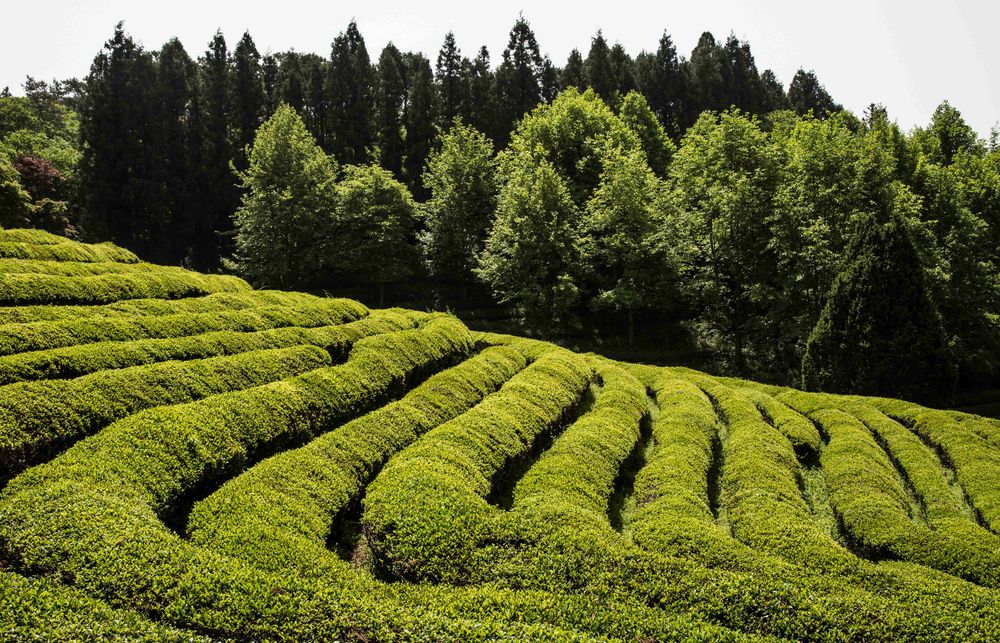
(460, 176)
(723, 180)
(635, 112)
(373, 234)
(290, 195)
(880, 332)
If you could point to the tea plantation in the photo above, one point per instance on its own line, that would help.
(185, 458)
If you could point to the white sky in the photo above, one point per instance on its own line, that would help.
(909, 55)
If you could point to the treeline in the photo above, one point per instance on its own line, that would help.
(166, 126)
(839, 253)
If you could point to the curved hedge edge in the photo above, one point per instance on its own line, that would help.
(92, 514)
(30, 289)
(19, 338)
(88, 269)
(29, 235)
(149, 307)
(577, 474)
(66, 250)
(42, 610)
(85, 359)
(39, 419)
(426, 513)
(279, 514)
(975, 462)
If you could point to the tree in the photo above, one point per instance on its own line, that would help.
(806, 95)
(600, 73)
(448, 78)
(390, 95)
(15, 202)
(348, 92)
(248, 93)
(774, 97)
(120, 167)
(708, 71)
(176, 76)
(662, 82)
(953, 135)
(624, 70)
(461, 178)
(482, 101)
(518, 79)
(574, 73)
(217, 194)
(419, 116)
(375, 230)
(629, 269)
(723, 180)
(288, 205)
(638, 117)
(880, 332)
(531, 259)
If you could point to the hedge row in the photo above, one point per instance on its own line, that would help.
(19, 338)
(75, 361)
(578, 472)
(802, 433)
(426, 513)
(986, 428)
(84, 269)
(674, 514)
(29, 235)
(279, 514)
(144, 307)
(869, 495)
(26, 288)
(976, 463)
(39, 609)
(38, 419)
(91, 514)
(66, 250)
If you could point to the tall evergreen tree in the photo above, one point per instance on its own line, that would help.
(120, 168)
(248, 94)
(518, 79)
(573, 74)
(708, 70)
(745, 90)
(176, 77)
(482, 100)
(600, 73)
(269, 76)
(807, 96)
(773, 92)
(291, 84)
(217, 195)
(390, 96)
(662, 82)
(419, 118)
(448, 78)
(880, 332)
(348, 90)
(624, 70)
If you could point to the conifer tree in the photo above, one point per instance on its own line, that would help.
(348, 92)
(482, 99)
(600, 73)
(390, 96)
(248, 93)
(880, 332)
(448, 79)
(419, 118)
(518, 79)
(662, 82)
(573, 74)
(807, 96)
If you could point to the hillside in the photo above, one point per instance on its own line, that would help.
(185, 458)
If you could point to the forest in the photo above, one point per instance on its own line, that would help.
(652, 200)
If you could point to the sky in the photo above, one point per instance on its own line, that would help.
(906, 54)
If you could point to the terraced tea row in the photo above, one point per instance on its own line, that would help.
(267, 465)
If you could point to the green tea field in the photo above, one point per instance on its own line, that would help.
(183, 457)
